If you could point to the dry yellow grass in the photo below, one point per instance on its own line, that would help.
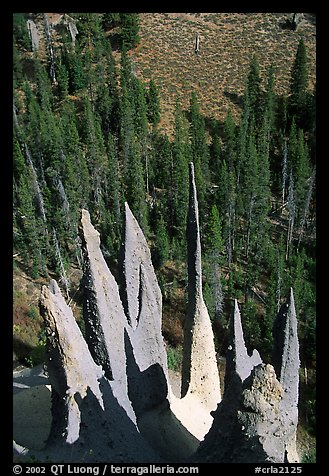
(228, 42)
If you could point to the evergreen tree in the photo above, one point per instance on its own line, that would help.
(253, 91)
(17, 67)
(126, 128)
(161, 248)
(113, 191)
(90, 29)
(298, 83)
(73, 62)
(138, 95)
(129, 30)
(250, 192)
(62, 76)
(229, 148)
(34, 244)
(110, 20)
(135, 186)
(21, 34)
(95, 153)
(163, 164)
(215, 243)
(153, 104)
(302, 170)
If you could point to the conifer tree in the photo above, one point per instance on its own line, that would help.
(161, 249)
(163, 162)
(135, 186)
(253, 91)
(110, 20)
(298, 83)
(215, 242)
(229, 148)
(20, 32)
(113, 190)
(129, 30)
(153, 104)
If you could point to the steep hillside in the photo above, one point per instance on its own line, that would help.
(228, 41)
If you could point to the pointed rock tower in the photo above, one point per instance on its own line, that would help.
(257, 418)
(286, 363)
(199, 372)
(111, 396)
(237, 360)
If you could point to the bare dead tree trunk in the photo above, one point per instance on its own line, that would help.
(284, 170)
(251, 206)
(278, 285)
(64, 278)
(38, 194)
(197, 44)
(50, 50)
(292, 212)
(307, 206)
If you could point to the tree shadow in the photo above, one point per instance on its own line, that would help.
(116, 41)
(235, 98)
(22, 350)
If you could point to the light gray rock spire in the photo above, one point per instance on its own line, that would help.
(199, 371)
(238, 360)
(286, 363)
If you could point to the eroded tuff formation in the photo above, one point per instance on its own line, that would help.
(111, 396)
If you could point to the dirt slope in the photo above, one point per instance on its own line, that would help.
(228, 41)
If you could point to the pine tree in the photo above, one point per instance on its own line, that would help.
(20, 32)
(163, 159)
(110, 20)
(215, 242)
(129, 30)
(291, 206)
(160, 253)
(113, 191)
(250, 182)
(34, 245)
(135, 186)
(62, 76)
(302, 170)
(284, 171)
(253, 91)
(73, 62)
(298, 83)
(229, 149)
(306, 208)
(96, 152)
(153, 104)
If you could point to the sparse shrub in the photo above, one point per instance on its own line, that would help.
(33, 313)
(309, 456)
(37, 355)
(174, 358)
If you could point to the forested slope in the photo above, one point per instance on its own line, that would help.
(87, 135)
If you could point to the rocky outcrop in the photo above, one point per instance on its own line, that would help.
(111, 396)
(105, 321)
(257, 418)
(286, 363)
(88, 422)
(238, 361)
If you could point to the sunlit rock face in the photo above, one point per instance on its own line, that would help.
(110, 390)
